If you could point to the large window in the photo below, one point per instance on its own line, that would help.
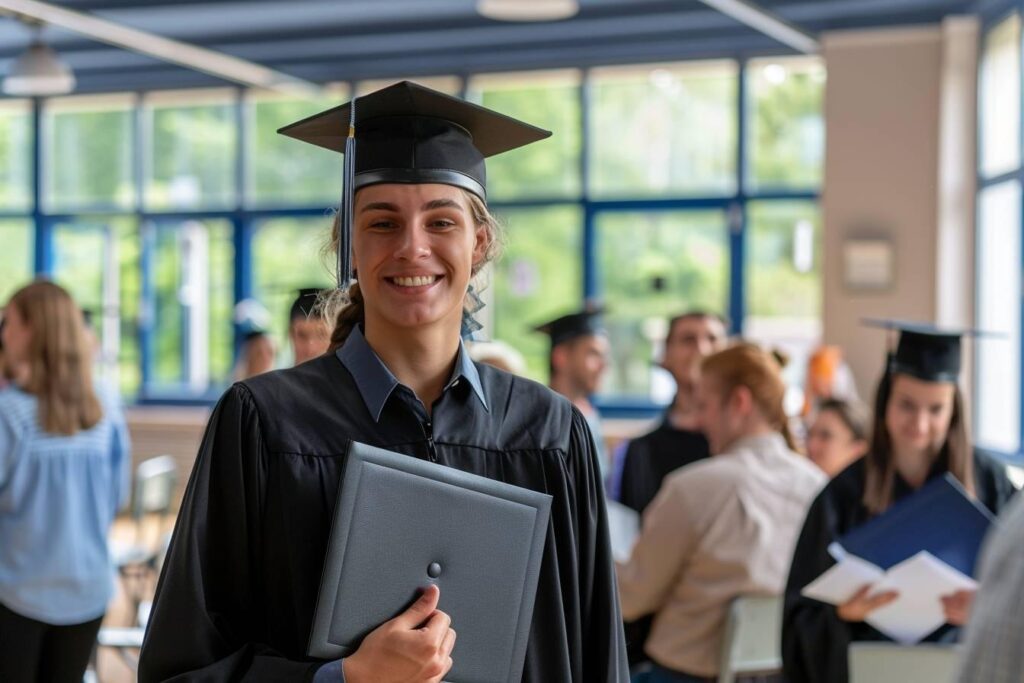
(664, 130)
(191, 157)
(998, 246)
(16, 256)
(89, 153)
(545, 169)
(282, 172)
(15, 155)
(189, 325)
(287, 256)
(538, 278)
(664, 187)
(653, 265)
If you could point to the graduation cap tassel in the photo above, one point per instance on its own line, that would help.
(345, 222)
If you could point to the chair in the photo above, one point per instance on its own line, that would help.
(125, 641)
(753, 632)
(152, 493)
(892, 663)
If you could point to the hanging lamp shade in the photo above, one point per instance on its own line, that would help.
(527, 10)
(38, 72)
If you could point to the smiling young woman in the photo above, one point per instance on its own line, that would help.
(237, 595)
(919, 433)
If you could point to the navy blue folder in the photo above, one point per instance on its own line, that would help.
(940, 518)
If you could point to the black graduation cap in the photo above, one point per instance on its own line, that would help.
(407, 133)
(925, 351)
(579, 324)
(304, 304)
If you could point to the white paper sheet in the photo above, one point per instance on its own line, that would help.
(843, 579)
(921, 581)
(623, 527)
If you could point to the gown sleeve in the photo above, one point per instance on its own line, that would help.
(207, 621)
(814, 638)
(993, 487)
(604, 647)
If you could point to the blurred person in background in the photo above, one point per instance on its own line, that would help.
(308, 332)
(828, 377)
(722, 527)
(641, 465)
(255, 356)
(64, 472)
(838, 435)
(677, 441)
(3, 366)
(920, 432)
(498, 354)
(578, 359)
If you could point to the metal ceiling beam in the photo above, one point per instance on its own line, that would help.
(768, 23)
(176, 52)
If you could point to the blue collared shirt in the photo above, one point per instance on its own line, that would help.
(376, 384)
(58, 496)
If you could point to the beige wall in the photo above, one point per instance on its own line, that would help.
(894, 106)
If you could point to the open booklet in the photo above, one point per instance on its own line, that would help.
(924, 547)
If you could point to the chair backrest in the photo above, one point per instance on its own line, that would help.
(751, 642)
(890, 662)
(155, 481)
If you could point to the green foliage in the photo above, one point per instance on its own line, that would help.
(787, 131)
(775, 288)
(88, 159)
(545, 169)
(538, 278)
(15, 158)
(653, 266)
(284, 171)
(15, 257)
(192, 157)
(286, 258)
(666, 133)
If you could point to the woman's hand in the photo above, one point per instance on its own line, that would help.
(414, 646)
(861, 604)
(957, 607)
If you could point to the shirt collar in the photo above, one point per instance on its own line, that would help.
(376, 382)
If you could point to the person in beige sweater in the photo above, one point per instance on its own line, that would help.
(722, 527)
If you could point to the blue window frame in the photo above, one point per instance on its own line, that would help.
(156, 231)
(999, 247)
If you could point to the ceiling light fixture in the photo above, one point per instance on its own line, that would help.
(38, 72)
(216, 63)
(527, 10)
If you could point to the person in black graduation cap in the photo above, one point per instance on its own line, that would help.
(307, 330)
(577, 360)
(239, 586)
(920, 432)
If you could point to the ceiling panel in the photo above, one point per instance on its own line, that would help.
(329, 40)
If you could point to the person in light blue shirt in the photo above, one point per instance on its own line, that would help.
(64, 473)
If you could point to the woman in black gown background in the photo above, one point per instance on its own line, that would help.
(238, 590)
(919, 433)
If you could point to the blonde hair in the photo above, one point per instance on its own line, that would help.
(59, 359)
(748, 365)
(348, 311)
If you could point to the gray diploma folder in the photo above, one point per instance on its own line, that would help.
(400, 524)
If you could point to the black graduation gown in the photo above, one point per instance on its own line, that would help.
(814, 639)
(236, 596)
(648, 460)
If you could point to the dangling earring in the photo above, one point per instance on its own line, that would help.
(472, 304)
